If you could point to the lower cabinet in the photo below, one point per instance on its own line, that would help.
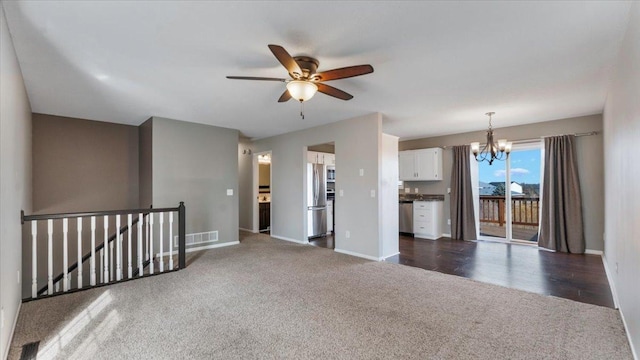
(265, 216)
(427, 219)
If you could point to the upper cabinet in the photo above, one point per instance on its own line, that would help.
(420, 165)
(315, 157)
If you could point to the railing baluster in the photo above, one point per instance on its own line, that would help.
(150, 239)
(171, 240)
(118, 250)
(79, 221)
(101, 268)
(50, 256)
(129, 231)
(92, 264)
(140, 224)
(34, 259)
(147, 238)
(105, 248)
(161, 241)
(65, 254)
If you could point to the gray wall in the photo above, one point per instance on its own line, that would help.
(145, 160)
(590, 165)
(357, 144)
(83, 165)
(245, 184)
(622, 171)
(196, 164)
(15, 178)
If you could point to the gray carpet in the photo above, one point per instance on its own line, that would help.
(267, 298)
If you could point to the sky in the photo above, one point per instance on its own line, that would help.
(525, 168)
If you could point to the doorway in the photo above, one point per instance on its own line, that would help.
(320, 199)
(262, 181)
(508, 195)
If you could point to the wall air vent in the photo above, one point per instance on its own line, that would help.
(198, 239)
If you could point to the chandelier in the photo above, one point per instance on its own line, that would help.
(492, 150)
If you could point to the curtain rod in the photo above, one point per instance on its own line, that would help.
(525, 141)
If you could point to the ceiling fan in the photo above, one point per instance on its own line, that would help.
(305, 81)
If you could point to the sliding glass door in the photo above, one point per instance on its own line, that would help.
(508, 195)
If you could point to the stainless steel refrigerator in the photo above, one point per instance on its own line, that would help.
(316, 200)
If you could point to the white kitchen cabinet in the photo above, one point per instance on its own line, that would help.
(420, 165)
(427, 219)
(315, 157)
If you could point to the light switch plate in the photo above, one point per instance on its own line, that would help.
(229, 192)
(448, 190)
(415, 190)
(407, 190)
(373, 193)
(361, 172)
(341, 193)
(347, 234)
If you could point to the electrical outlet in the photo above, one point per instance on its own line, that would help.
(18, 276)
(448, 221)
(448, 190)
(2, 318)
(229, 192)
(415, 190)
(361, 172)
(407, 190)
(341, 193)
(347, 234)
(373, 193)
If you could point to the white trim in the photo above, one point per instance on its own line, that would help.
(593, 252)
(626, 330)
(247, 230)
(347, 252)
(612, 284)
(388, 256)
(289, 239)
(212, 246)
(13, 329)
(446, 235)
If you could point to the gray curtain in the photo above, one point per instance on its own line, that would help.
(463, 219)
(561, 227)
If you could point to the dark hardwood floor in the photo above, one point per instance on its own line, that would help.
(576, 277)
(324, 242)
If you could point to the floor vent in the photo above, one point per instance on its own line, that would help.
(198, 238)
(30, 351)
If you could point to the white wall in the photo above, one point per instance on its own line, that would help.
(622, 172)
(389, 227)
(15, 178)
(357, 144)
(197, 163)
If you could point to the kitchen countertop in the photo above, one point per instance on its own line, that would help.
(420, 197)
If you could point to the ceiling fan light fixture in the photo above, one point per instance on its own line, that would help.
(301, 90)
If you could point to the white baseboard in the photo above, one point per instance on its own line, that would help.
(612, 284)
(626, 330)
(593, 252)
(288, 239)
(13, 329)
(247, 230)
(446, 235)
(388, 256)
(352, 253)
(205, 247)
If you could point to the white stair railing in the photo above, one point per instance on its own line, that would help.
(111, 267)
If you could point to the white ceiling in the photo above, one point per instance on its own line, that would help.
(439, 66)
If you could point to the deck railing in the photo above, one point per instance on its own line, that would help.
(92, 232)
(524, 210)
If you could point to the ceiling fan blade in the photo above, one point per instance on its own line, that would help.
(286, 60)
(343, 73)
(285, 96)
(255, 78)
(331, 91)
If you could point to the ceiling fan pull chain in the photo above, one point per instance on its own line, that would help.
(302, 109)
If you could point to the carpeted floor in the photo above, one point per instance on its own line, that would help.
(267, 298)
